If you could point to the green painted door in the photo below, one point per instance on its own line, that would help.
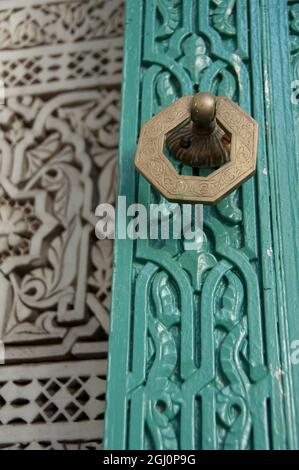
(204, 343)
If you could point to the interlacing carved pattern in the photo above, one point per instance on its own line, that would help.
(58, 138)
(205, 368)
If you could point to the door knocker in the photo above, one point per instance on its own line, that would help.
(203, 132)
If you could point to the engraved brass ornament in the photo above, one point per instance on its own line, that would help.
(203, 131)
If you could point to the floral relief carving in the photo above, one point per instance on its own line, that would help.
(195, 58)
(56, 165)
(169, 12)
(15, 228)
(222, 17)
(44, 23)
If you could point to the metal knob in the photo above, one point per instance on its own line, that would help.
(201, 131)
(201, 142)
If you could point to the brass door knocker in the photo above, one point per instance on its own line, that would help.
(203, 131)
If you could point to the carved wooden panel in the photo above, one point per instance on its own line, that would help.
(200, 340)
(60, 62)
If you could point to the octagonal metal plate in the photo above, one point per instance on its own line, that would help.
(153, 164)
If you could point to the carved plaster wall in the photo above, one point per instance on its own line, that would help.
(60, 61)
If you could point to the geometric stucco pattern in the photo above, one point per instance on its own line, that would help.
(60, 61)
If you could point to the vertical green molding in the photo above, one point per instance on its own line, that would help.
(119, 336)
(199, 350)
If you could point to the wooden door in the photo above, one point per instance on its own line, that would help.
(203, 343)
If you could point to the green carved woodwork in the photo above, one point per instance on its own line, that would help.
(201, 341)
